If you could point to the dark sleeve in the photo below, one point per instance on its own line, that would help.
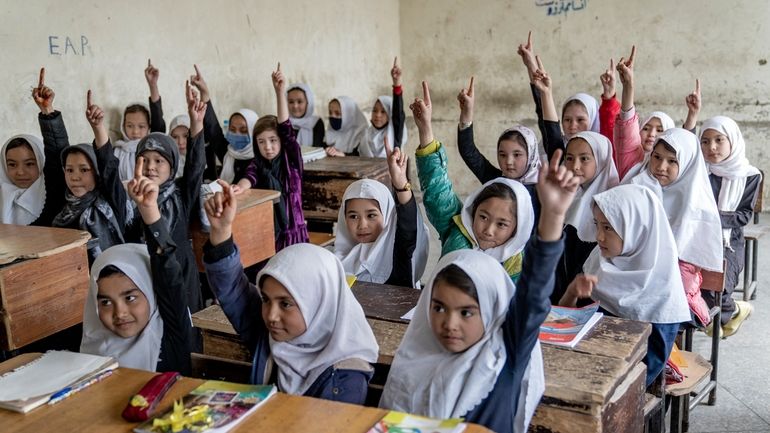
(212, 132)
(55, 139)
(289, 144)
(405, 243)
(397, 111)
(745, 210)
(319, 133)
(109, 182)
(168, 284)
(531, 303)
(157, 123)
(237, 296)
(476, 162)
(192, 176)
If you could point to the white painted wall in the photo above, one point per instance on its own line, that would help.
(340, 47)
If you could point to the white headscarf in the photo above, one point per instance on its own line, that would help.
(733, 170)
(125, 149)
(143, 350)
(533, 156)
(337, 329)
(247, 153)
(665, 120)
(22, 205)
(307, 122)
(592, 107)
(525, 220)
(579, 214)
(426, 379)
(350, 134)
(180, 120)
(374, 141)
(689, 202)
(643, 282)
(374, 261)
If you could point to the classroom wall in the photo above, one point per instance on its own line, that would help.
(722, 43)
(344, 47)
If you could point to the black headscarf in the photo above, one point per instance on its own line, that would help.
(169, 203)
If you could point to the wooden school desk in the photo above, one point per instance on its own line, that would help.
(98, 408)
(598, 386)
(43, 282)
(325, 180)
(253, 228)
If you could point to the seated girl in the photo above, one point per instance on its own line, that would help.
(378, 240)
(347, 126)
(676, 172)
(471, 349)
(136, 308)
(179, 129)
(517, 153)
(633, 271)
(496, 218)
(308, 127)
(387, 120)
(300, 314)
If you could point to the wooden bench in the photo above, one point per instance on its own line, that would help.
(253, 228)
(43, 282)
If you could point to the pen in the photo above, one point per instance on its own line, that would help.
(68, 391)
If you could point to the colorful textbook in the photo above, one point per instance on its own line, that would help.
(213, 407)
(400, 422)
(566, 326)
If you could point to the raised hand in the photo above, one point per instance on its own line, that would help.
(626, 68)
(279, 81)
(200, 84)
(527, 53)
(95, 117)
(556, 188)
(281, 99)
(693, 101)
(395, 73)
(195, 108)
(42, 95)
(397, 168)
(151, 74)
(540, 77)
(422, 111)
(580, 288)
(466, 99)
(608, 81)
(220, 209)
(144, 192)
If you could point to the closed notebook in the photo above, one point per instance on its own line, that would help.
(33, 384)
(566, 326)
(213, 407)
(400, 422)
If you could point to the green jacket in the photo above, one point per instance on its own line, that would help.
(443, 206)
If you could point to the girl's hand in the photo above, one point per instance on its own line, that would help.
(94, 114)
(556, 186)
(279, 81)
(422, 111)
(466, 99)
(144, 192)
(693, 100)
(396, 165)
(395, 73)
(331, 151)
(42, 95)
(608, 81)
(200, 84)
(151, 74)
(195, 108)
(583, 286)
(220, 209)
(527, 53)
(626, 68)
(540, 77)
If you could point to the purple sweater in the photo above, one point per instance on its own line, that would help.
(291, 229)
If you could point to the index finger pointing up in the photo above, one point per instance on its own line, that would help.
(395, 61)
(470, 87)
(697, 86)
(41, 80)
(279, 67)
(425, 93)
(197, 71)
(88, 99)
(631, 57)
(529, 39)
(149, 63)
(139, 168)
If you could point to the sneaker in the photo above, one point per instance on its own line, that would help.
(710, 330)
(744, 311)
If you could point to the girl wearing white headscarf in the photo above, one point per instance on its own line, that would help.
(735, 184)
(346, 133)
(642, 282)
(180, 135)
(498, 380)
(234, 148)
(691, 210)
(22, 204)
(579, 229)
(163, 344)
(309, 127)
(125, 149)
(332, 358)
(399, 254)
(394, 129)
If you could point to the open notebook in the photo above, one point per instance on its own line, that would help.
(33, 384)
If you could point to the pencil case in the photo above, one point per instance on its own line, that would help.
(143, 404)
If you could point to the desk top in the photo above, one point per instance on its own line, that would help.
(252, 197)
(356, 167)
(30, 242)
(98, 409)
(385, 302)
